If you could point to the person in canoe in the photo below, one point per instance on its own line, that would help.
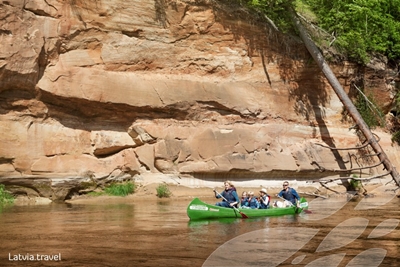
(229, 196)
(264, 199)
(244, 199)
(289, 194)
(252, 202)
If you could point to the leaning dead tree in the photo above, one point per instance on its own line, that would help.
(344, 98)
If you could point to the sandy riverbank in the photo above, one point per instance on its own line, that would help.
(149, 192)
(179, 192)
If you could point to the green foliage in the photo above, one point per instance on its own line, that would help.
(276, 10)
(367, 108)
(120, 189)
(305, 10)
(163, 191)
(361, 27)
(5, 197)
(396, 137)
(356, 184)
(395, 127)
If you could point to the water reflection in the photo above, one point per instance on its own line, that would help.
(254, 247)
(4, 207)
(343, 238)
(158, 232)
(201, 223)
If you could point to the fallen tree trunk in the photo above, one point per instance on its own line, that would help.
(344, 98)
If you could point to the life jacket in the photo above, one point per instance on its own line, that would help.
(244, 201)
(288, 195)
(253, 203)
(228, 195)
(265, 204)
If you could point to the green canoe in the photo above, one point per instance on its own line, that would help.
(199, 210)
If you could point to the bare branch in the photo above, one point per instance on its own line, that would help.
(371, 178)
(356, 169)
(377, 137)
(312, 194)
(355, 158)
(315, 26)
(323, 182)
(327, 188)
(397, 188)
(370, 155)
(271, 23)
(349, 148)
(374, 109)
(322, 169)
(334, 39)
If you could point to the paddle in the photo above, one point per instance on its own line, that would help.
(244, 216)
(306, 211)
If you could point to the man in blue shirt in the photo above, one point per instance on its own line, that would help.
(289, 193)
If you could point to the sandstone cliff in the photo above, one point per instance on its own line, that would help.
(191, 91)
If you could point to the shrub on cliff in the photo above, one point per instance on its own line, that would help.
(361, 27)
(369, 110)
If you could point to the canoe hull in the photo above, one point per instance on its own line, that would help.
(199, 210)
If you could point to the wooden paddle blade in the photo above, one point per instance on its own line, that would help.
(244, 216)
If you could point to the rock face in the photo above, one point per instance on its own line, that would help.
(96, 91)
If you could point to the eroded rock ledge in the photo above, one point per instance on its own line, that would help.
(96, 91)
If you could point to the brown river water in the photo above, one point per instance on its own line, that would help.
(338, 232)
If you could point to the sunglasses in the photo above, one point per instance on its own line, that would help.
(285, 185)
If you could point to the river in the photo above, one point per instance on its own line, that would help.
(157, 232)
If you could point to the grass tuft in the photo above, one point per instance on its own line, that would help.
(120, 189)
(163, 191)
(5, 197)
